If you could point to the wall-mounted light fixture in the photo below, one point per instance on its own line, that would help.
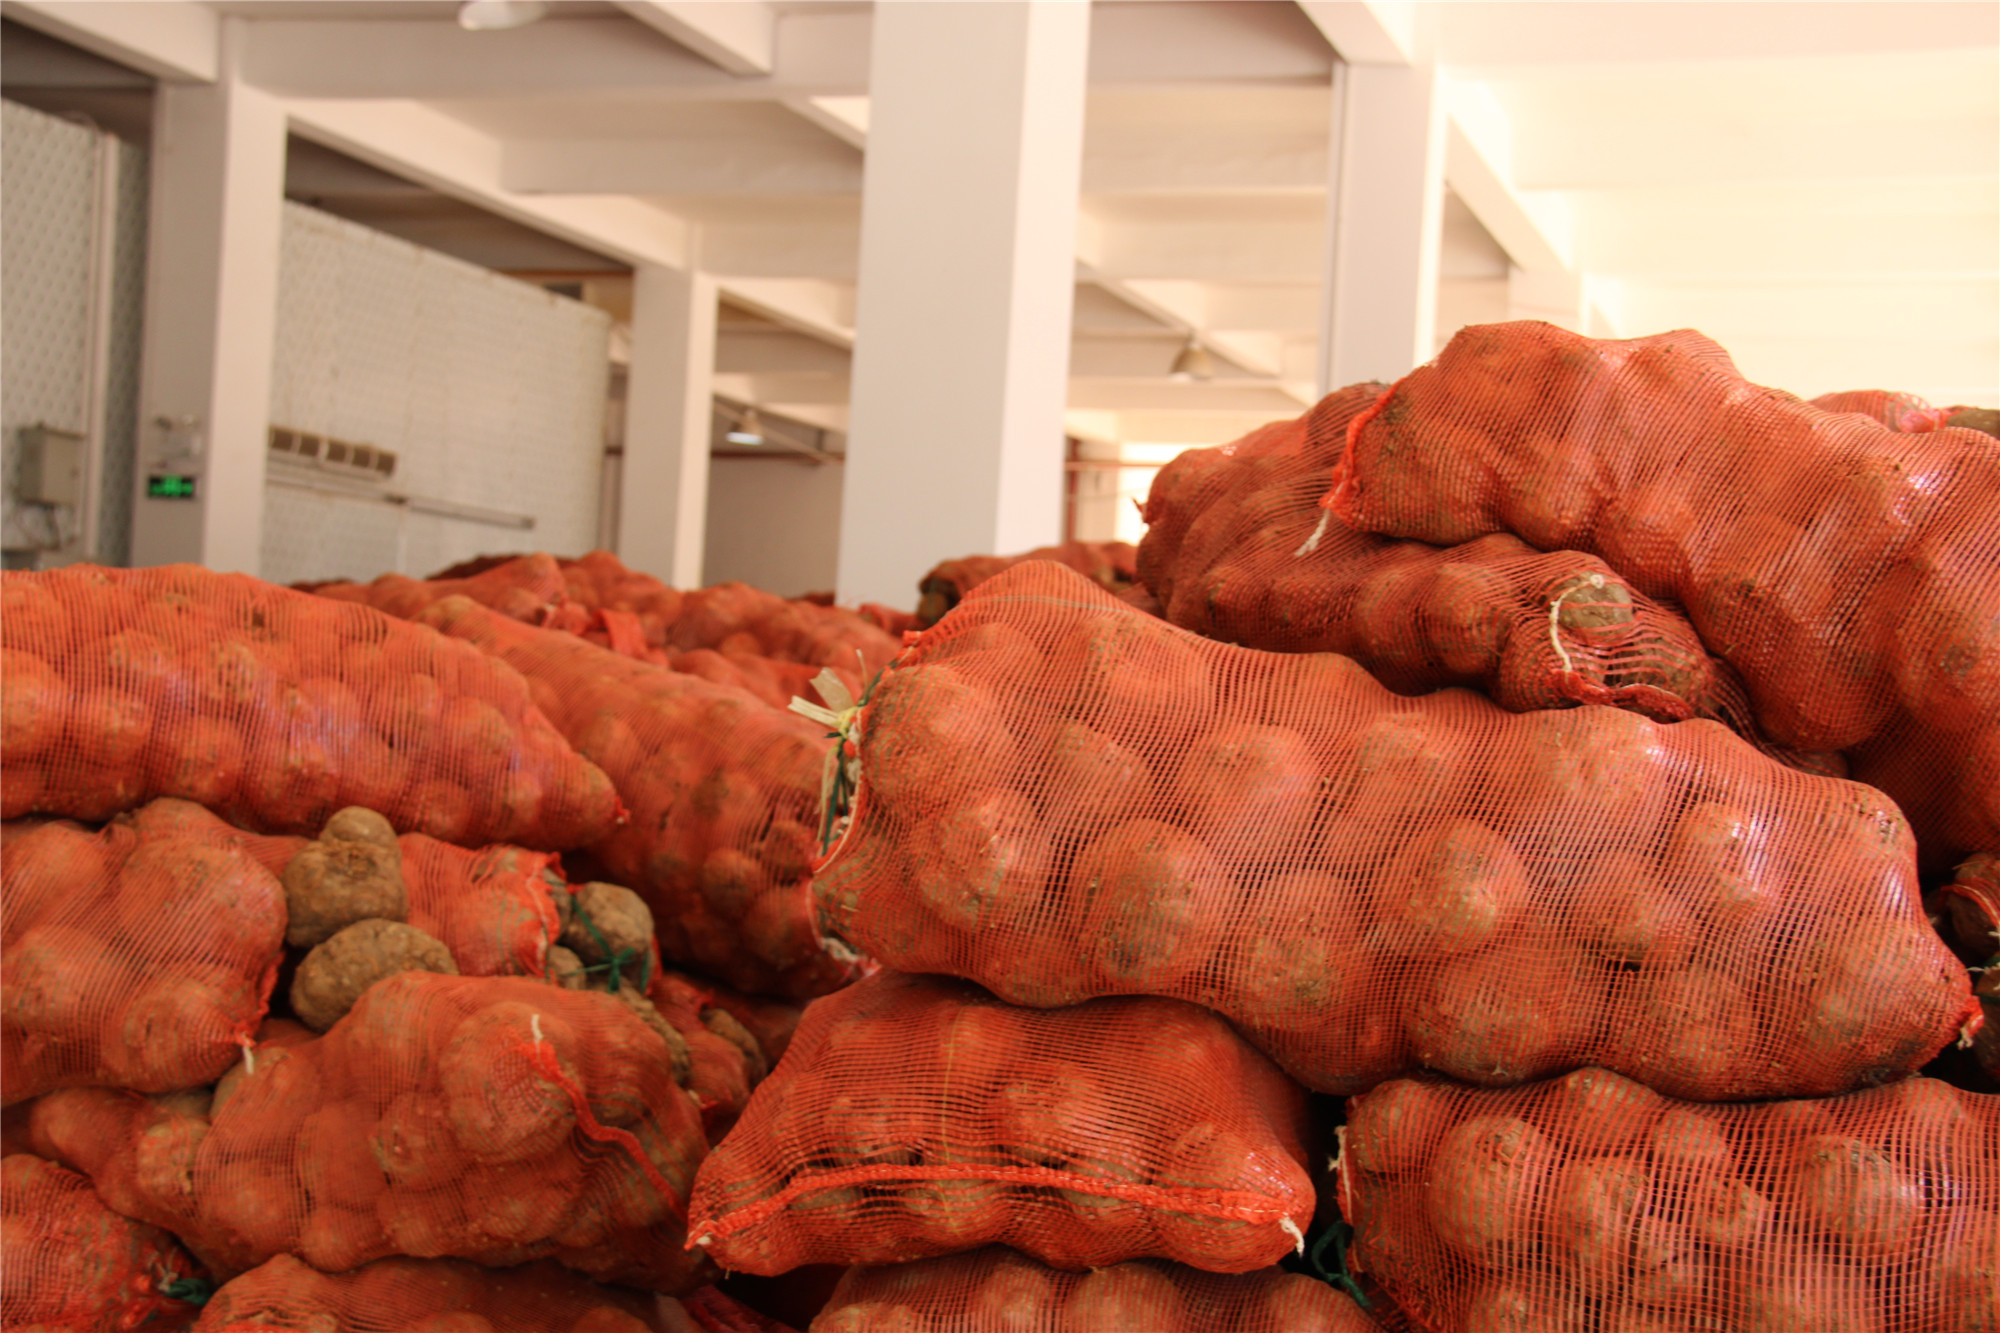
(495, 15)
(1193, 362)
(748, 429)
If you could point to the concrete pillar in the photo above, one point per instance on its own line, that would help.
(218, 188)
(1385, 211)
(663, 495)
(968, 255)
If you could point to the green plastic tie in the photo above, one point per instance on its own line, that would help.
(194, 1291)
(1339, 1235)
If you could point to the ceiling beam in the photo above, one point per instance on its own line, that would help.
(1537, 230)
(168, 39)
(777, 351)
(681, 166)
(1208, 43)
(735, 35)
(444, 153)
(1367, 32)
(810, 305)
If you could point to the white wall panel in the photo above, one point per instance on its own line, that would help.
(490, 391)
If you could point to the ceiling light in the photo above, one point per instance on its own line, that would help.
(494, 15)
(749, 430)
(1193, 362)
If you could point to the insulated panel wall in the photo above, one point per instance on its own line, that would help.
(51, 190)
(491, 392)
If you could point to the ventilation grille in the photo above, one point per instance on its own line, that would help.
(361, 461)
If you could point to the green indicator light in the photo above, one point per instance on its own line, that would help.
(172, 486)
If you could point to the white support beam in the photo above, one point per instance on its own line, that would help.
(819, 55)
(968, 247)
(1385, 223)
(711, 165)
(777, 352)
(216, 211)
(828, 250)
(1203, 43)
(174, 40)
(1367, 32)
(663, 492)
(414, 141)
(1535, 229)
(735, 35)
(823, 309)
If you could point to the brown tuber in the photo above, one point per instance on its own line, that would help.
(353, 873)
(622, 923)
(335, 973)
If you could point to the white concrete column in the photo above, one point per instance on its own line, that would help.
(663, 494)
(216, 215)
(1385, 212)
(968, 256)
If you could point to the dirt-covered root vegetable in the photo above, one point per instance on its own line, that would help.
(565, 969)
(333, 883)
(1452, 889)
(357, 823)
(607, 920)
(1857, 1196)
(333, 976)
(1486, 1175)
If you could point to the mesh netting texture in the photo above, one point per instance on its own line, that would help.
(640, 623)
(1114, 565)
(274, 709)
(724, 793)
(1848, 571)
(70, 1263)
(1238, 548)
(402, 1295)
(918, 1116)
(1061, 797)
(1592, 1203)
(139, 956)
(997, 1291)
(494, 1119)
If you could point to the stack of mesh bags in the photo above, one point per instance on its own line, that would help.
(1064, 799)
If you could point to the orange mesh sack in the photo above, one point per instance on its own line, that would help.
(1594, 1204)
(724, 793)
(135, 957)
(917, 1116)
(496, 908)
(73, 1264)
(487, 1118)
(1897, 411)
(431, 1296)
(1849, 572)
(1114, 565)
(997, 1291)
(1238, 549)
(274, 709)
(735, 614)
(1061, 797)
(527, 589)
(725, 1060)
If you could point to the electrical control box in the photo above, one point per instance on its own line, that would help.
(51, 467)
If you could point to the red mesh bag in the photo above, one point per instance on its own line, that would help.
(494, 908)
(769, 1022)
(768, 625)
(1849, 572)
(997, 1291)
(724, 1060)
(1592, 1203)
(403, 1295)
(494, 1119)
(724, 794)
(889, 619)
(274, 709)
(917, 1116)
(140, 956)
(73, 1264)
(1971, 907)
(1113, 565)
(775, 682)
(1238, 549)
(1882, 406)
(1061, 797)
(527, 589)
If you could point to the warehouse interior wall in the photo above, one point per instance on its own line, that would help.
(774, 524)
(491, 393)
(69, 240)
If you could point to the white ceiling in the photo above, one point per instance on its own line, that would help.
(1817, 185)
